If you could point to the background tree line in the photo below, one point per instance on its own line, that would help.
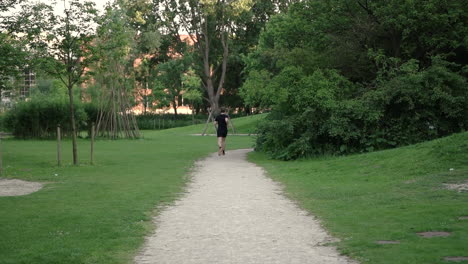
(339, 76)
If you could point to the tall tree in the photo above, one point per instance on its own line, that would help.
(244, 39)
(112, 70)
(208, 25)
(12, 50)
(61, 43)
(147, 40)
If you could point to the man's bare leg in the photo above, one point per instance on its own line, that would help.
(220, 146)
(223, 147)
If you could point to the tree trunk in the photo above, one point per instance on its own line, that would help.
(214, 93)
(174, 105)
(73, 125)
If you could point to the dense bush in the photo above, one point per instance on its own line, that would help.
(393, 73)
(39, 117)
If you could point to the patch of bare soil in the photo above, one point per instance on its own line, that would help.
(456, 259)
(18, 187)
(459, 187)
(387, 242)
(434, 234)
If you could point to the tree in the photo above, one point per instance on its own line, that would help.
(112, 69)
(147, 45)
(13, 60)
(209, 24)
(12, 50)
(7, 4)
(192, 90)
(170, 80)
(245, 38)
(62, 44)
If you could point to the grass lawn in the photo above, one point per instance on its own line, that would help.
(100, 213)
(386, 195)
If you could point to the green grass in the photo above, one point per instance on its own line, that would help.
(386, 195)
(100, 213)
(242, 125)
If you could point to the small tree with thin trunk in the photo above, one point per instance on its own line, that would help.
(62, 44)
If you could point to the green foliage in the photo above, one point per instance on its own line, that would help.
(343, 77)
(50, 88)
(13, 60)
(384, 195)
(175, 78)
(39, 117)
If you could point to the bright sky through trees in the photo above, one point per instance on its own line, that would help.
(60, 4)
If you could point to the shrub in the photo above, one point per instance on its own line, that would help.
(324, 113)
(39, 117)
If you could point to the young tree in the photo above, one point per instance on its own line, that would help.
(112, 70)
(61, 43)
(170, 80)
(192, 90)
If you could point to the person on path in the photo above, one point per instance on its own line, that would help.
(221, 123)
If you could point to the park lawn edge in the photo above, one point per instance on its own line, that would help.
(385, 195)
(100, 213)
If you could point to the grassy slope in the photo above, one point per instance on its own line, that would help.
(101, 213)
(386, 195)
(242, 125)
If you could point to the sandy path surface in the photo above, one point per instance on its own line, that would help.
(232, 213)
(13, 187)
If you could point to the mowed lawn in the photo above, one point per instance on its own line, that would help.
(100, 213)
(386, 195)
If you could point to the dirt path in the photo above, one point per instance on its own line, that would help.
(232, 213)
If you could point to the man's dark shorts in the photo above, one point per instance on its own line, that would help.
(222, 133)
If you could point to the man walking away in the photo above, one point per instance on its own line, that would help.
(221, 123)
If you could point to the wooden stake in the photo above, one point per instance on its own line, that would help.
(92, 144)
(232, 126)
(206, 124)
(59, 147)
(1, 157)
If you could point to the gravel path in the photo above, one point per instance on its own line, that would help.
(232, 213)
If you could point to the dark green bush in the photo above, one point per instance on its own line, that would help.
(39, 117)
(316, 114)
(344, 77)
